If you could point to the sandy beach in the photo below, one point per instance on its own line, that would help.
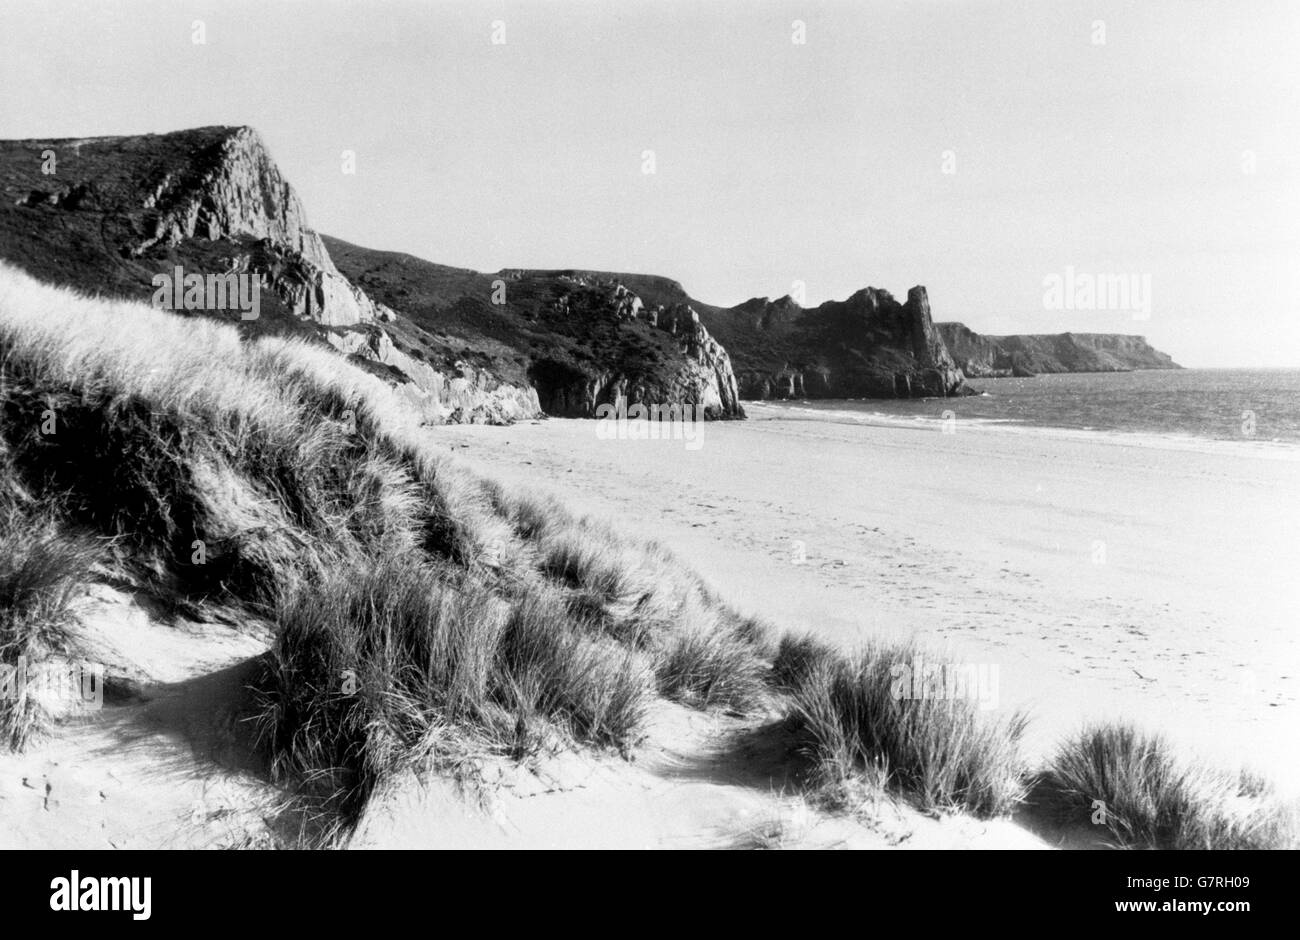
(1104, 576)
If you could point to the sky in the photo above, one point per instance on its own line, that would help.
(981, 149)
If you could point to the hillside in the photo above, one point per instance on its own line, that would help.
(869, 345)
(982, 356)
(270, 485)
(580, 338)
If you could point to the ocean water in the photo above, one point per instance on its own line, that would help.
(1260, 405)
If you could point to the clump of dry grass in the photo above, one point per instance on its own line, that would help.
(1134, 784)
(940, 752)
(715, 661)
(41, 568)
(702, 652)
(390, 662)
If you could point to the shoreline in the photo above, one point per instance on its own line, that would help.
(798, 410)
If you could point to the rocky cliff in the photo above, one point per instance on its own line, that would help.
(581, 339)
(869, 345)
(232, 189)
(107, 214)
(701, 375)
(979, 356)
(982, 356)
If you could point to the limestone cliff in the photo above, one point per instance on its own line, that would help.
(233, 188)
(979, 356)
(700, 376)
(1029, 354)
(868, 345)
(581, 339)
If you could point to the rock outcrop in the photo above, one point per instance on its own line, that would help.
(581, 339)
(981, 356)
(702, 378)
(939, 375)
(868, 346)
(461, 394)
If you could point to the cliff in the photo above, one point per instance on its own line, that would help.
(982, 356)
(107, 214)
(579, 338)
(583, 338)
(867, 346)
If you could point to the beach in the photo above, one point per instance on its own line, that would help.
(1091, 576)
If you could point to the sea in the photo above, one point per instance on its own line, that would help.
(1246, 405)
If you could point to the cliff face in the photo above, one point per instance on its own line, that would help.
(232, 189)
(1029, 354)
(938, 374)
(979, 356)
(868, 346)
(115, 211)
(581, 339)
(700, 375)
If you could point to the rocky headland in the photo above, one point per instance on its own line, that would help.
(981, 356)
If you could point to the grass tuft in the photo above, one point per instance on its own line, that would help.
(1132, 783)
(42, 567)
(941, 752)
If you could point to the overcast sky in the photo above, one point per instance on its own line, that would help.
(1161, 141)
